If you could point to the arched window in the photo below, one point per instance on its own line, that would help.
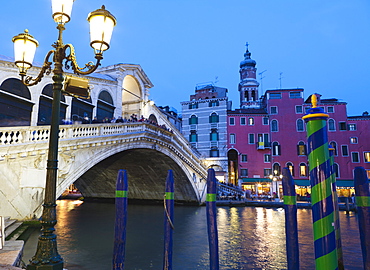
(105, 108)
(276, 150)
(193, 120)
(213, 118)
(334, 147)
(302, 170)
(45, 104)
(300, 125)
(15, 103)
(274, 126)
(331, 124)
(301, 149)
(336, 170)
(276, 169)
(290, 166)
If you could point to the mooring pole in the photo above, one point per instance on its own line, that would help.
(363, 209)
(212, 219)
(321, 188)
(168, 221)
(291, 227)
(121, 221)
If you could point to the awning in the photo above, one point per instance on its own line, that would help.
(255, 180)
(298, 182)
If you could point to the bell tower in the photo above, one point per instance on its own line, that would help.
(248, 85)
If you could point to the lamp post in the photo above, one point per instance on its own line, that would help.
(275, 177)
(102, 23)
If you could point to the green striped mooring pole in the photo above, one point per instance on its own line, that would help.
(321, 188)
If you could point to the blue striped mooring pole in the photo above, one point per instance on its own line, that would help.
(168, 221)
(321, 188)
(212, 219)
(121, 221)
(291, 227)
(363, 209)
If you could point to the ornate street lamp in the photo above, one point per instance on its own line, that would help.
(101, 27)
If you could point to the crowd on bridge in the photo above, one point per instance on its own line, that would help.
(133, 119)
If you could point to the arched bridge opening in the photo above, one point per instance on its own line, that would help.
(147, 170)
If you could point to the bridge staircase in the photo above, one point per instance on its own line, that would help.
(226, 191)
(11, 253)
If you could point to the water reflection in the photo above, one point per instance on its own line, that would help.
(249, 238)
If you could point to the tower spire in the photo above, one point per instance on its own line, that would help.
(248, 86)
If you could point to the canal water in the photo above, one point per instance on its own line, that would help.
(249, 237)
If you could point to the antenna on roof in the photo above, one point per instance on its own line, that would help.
(261, 78)
(281, 73)
(216, 80)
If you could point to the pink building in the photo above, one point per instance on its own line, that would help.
(267, 134)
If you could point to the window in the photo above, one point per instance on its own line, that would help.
(276, 150)
(330, 109)
(193, 106)
(345, 150)
(355, 157)
(213, 103)
(273, 110)
(352, 127)
(267, 158)
(276, 169)
(294, 94)
(274, 126)
(368, 174)
(213, 118)
(231, 121)
(193, 137)
(244, 172)
(193, 120)
(242, 121)
(213, 135)
(342, 126)
(298, 109)
(275, 95)
(302, 170)
(265, 121)
(353, 140)
(300, 125)
(336, 169)
(367, 157)
(334, 146)
(244, 158)
(214, 152)
(267, 172)
(331, 123)
(290, 167)
(251, 138)
(301, 149)
(250, 121)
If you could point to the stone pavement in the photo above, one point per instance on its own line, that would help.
(11, 254)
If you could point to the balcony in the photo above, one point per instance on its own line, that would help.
(263, 145)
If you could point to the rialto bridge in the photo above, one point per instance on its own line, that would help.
(90, 154)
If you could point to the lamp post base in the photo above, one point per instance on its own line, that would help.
(56, 266)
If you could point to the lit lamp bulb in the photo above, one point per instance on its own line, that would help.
(102, 23)
(62, 10)
(24, 51)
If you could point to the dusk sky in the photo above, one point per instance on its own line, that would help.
(321, 46)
